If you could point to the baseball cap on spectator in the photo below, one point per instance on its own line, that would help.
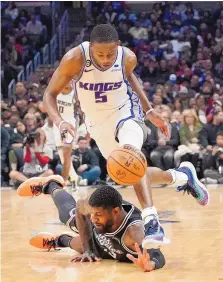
(183, 90)
(172, 78)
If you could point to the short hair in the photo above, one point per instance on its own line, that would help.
(220, 133)
(81, 138)
(104, 33)
(106, 197)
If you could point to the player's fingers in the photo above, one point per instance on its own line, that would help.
(97, 259)
(144, 252)
(77, 259)
(132, 258)
(138, 250)
(89, 258)
(84, 259)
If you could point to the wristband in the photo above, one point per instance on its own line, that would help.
(149, 111)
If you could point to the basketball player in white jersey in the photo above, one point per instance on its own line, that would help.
(115, 105)
(65, 106)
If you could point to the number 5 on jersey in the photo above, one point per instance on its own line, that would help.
(100, 97)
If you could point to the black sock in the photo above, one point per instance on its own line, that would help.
(64, 240)
(51, 186)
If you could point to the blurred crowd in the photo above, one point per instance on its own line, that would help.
(180, 67)
(22, 34)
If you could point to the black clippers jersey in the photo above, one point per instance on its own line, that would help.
(111, 245)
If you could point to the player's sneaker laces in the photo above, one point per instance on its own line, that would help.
(35, 185)
(193, 185)
(154, 234)
(44, 240)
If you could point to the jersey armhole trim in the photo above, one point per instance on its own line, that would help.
(122, 239)
(82, 70)
(123, 64)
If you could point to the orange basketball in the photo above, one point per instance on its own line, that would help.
(126, 165)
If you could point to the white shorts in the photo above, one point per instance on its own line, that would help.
(57, 135)
(130, 132)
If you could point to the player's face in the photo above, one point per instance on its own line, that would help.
(102, 219)
(104, 54)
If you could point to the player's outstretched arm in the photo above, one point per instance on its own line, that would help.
(85, 232)
(70, 67)
(147, 260)
(152, 116)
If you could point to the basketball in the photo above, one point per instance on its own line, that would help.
(126, 165)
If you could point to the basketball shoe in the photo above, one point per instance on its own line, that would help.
(193, 185)
(46, 241)
(154, 234)
(35, 185)
(185, 178)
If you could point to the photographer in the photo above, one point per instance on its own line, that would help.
(36, 157)
(214, 174)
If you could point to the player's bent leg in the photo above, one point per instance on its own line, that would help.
(64, 202)
(48, 241)
(35, 185)
(132, 133)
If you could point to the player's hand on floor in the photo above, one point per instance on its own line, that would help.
(143, 261)
(88, 256)
(159, 122)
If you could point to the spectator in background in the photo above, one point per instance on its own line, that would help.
(169, 53)
(34, 26)
(189, 133)
(48, 129)
(30, 121)
(21, 92)
(18, 136)
(22, 106)
(110, 16)
(11, 11)
(162, 155)
(128, 16)
(176, 118)
(214, 172)
(36, 158)
(178, 105)
(209, 132)
(86, 162)
(219, 69)
(138, 32)
(5, 141)
(125, 37)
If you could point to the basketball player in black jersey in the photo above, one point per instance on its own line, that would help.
(109, 228)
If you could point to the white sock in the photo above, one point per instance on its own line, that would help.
(179, 178)
(148, 214)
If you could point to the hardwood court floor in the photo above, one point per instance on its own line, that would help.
(195, 254)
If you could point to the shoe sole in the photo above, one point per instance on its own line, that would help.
(197, 185)
(20, 190)
(39, 233)
(151, 243)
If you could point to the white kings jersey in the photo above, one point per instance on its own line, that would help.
(65, 105)
(106, 93)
